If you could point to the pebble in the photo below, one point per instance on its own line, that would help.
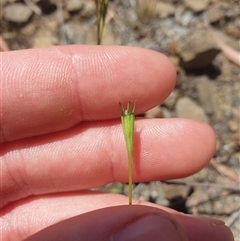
(164, 10)
(73, 5)
(44, 41)
(107, 38)
(166, 113)
(176, 191)
(233, 125)
(205, 90)
(214, 14)
(171, 99)
(17, 12)
(198, 51)
(187, 108)
(76, 34)
(197, 5)
(155, 112)
(89, 9)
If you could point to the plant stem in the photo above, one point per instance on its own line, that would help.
(101, 12)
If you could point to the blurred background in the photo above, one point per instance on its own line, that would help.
(201, 38)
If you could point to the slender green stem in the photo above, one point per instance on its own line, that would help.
(130, 179)
(101, 12)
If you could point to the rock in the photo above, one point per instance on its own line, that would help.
(233, 125)
(214, 14)
(155, 112)
(203, 175)
(175, 61)
(229, 205)
(175, 191)
(234, 160)
(198, 51)
(209, 98)
(107, 39)
(145, 10)
(17, 12)
(76, 33)
(166, 113)
(29, 30)
(205, 90)
(164, 10)
(89, 9)
(171, 99)
(73, 5)
(187, 108)
(157, 193)
(197, 5)
(45, 41)
(211, 200)
(172, 46)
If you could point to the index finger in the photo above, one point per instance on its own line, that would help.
(48, 90)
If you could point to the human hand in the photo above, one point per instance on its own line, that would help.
(61, 136)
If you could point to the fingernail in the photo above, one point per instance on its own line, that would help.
(151, 227)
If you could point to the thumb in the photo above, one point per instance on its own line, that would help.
(119, 223)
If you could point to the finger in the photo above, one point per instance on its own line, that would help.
(200, 228)
(94, 154)
(122, 223)
(36, 213)
(53, 89)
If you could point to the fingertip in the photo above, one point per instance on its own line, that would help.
(200, 228)
(172, 148)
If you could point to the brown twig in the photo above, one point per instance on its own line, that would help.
(63, 38)
(233, 217)
(230, 53)
(224, 170)
(231, 187)
(37, 10)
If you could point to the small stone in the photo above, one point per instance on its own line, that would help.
(214, 14)
(175, 191)
(155, 112)
(202, 175)
(17, 12)
(166, 113)
(76, 34)
(29, 29)
(146, 10)
(44, 41)
(197, 5)
(171, 99)
(198, 51)
(187, 108)
(164, 10)
(172, 46)
(73, 5)
(107, 38)
(233, 125)
(89, 9)
(175, 61)
(205, 90)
